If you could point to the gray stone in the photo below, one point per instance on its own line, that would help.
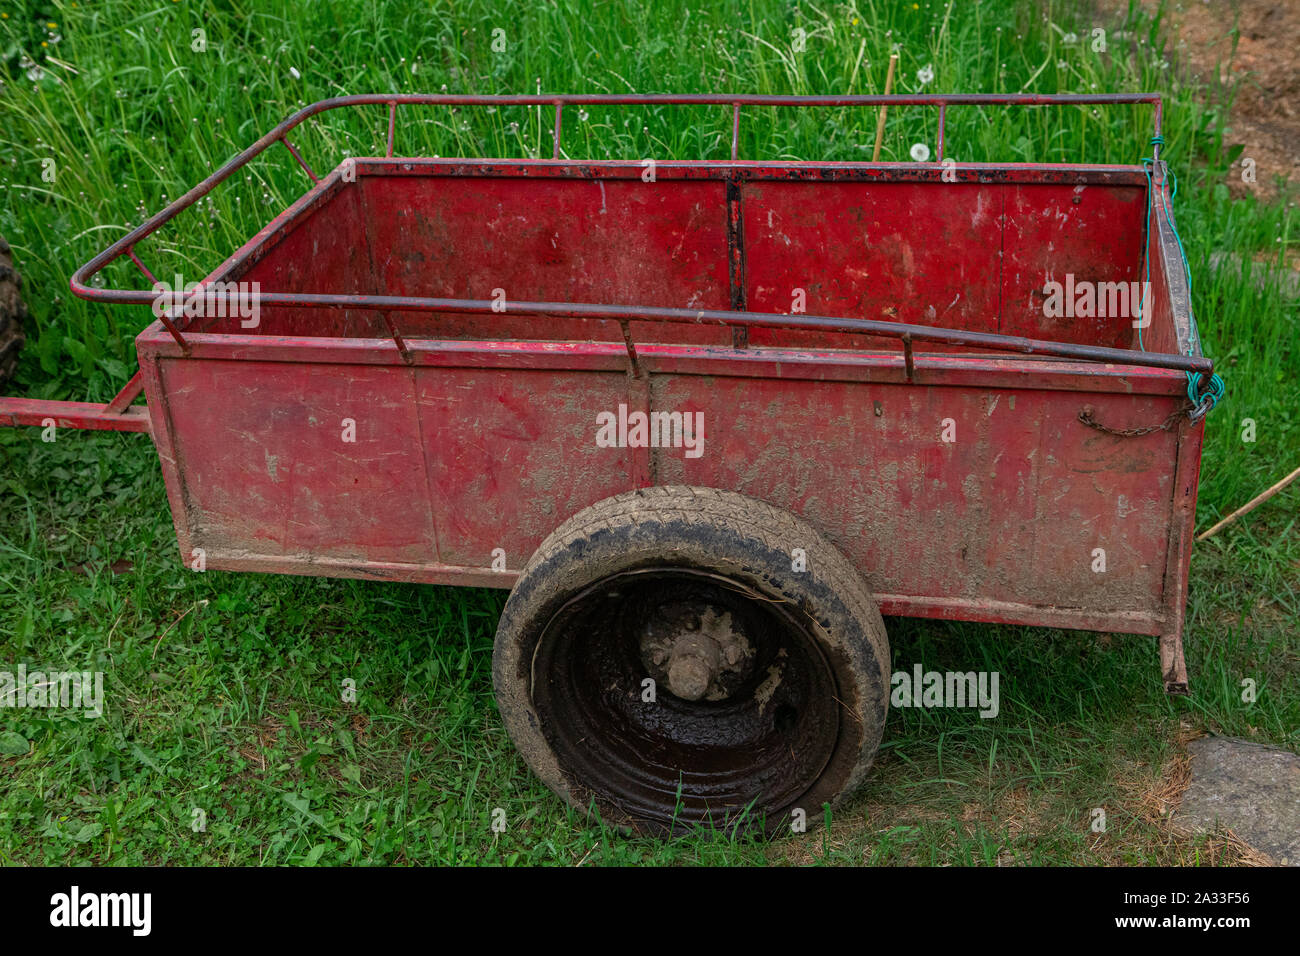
(1288, 281)
(1250, 788)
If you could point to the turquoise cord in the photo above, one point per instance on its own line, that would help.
(1216, 388)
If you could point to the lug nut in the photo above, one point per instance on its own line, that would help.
(693, 667)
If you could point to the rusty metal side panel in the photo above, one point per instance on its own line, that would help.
(325, 245)
(380, 470)
(299, 461)
(551, 240)
(1092, 233)
(897, 252)
(511, 454)
(973, 255)
(618, 241)
(451, 463)
(1010, 511)
(1162, 333)
(148, 350)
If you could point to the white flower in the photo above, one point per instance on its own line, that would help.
(920, 152)
(925, 74)
(34, 70)
(1070, 39)
(293, 71)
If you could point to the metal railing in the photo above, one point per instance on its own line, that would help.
(126, 245)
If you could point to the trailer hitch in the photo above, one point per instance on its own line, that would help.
(119, 415)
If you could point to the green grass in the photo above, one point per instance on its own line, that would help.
(225, 690)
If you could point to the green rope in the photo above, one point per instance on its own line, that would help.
(1213, 393)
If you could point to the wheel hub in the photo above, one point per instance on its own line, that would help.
(699, 652)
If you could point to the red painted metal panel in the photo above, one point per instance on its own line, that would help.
(327, 245)
(298, 460)
(617, 241)
(1010, 511)
(882, 250)
(899, 252)
(1005, 517)
(1093, 234)
(511, 453)
(498, 434)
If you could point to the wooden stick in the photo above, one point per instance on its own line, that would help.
(880, 123)
(1251, 505)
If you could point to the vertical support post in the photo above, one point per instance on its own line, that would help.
(1155, 136)
(392, 127)
(141, 266)
(943, 115)
(301, 161)
(735, 131)
(559, 109)
(642, 468)
(633, 364)
(1182, 528)
(167, 322)
(736, 258)
(175, 333)
(407, 357)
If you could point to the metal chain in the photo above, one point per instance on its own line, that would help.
(1085, 416)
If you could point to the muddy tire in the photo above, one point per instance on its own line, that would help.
(13, 313)
(661, 660)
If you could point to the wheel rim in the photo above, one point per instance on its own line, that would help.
(746, 703)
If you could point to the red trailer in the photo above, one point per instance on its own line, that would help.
(708, 420)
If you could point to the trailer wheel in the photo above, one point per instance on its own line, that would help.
(12, 314)
(664, 659)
